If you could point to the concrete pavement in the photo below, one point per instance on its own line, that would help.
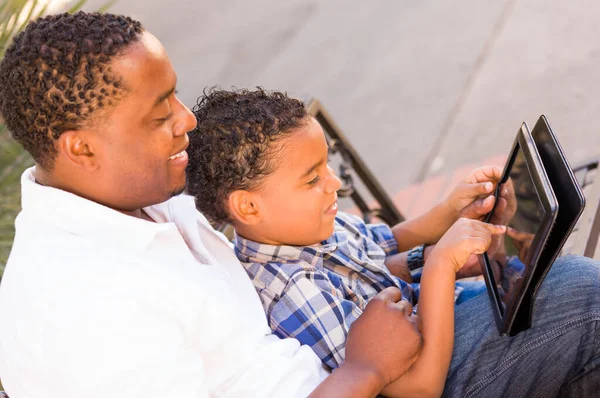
(420, 88)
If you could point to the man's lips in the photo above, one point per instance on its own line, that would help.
(179, 154)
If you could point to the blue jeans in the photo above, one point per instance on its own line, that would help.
(558, 356)
(470, 290)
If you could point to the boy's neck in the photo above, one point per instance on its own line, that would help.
(253, 235)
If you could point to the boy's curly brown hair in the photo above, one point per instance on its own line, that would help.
(232, 145)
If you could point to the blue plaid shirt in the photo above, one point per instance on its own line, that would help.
(314, 293)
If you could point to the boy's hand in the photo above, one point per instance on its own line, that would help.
(473, 197)
(464, 238)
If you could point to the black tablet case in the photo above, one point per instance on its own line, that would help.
(510, 318)
(571, 203)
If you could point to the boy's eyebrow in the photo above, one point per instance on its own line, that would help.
(312, 168)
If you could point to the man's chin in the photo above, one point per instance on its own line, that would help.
(177, 191)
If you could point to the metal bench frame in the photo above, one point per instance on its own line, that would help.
(583, 241)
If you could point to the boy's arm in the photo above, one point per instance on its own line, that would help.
(436, 308)
(472, 198)
(427, 376)
(427, 228)
(374, 353)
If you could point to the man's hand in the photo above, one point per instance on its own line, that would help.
(465, 238)
(473, 197)
(397, 264)
(385, 339)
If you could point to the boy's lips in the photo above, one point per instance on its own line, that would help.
(332, 209)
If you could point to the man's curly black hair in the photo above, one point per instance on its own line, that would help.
(232, 145)
(56, 74)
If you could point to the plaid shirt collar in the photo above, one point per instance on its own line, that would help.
(254, 252)
(345, 239)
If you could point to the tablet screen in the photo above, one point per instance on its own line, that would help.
(520, 209)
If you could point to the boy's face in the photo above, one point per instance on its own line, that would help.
(298, 201)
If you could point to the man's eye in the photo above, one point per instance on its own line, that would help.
(164, 119)
(314, 181)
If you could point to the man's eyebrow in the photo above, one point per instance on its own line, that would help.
(312, 168)
(163, 97)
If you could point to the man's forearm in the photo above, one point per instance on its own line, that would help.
(397, 264)
(349, 381)
(427, 228)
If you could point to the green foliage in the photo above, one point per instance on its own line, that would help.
(14, 15)
(13, 160)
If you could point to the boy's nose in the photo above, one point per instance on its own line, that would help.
(334, 184)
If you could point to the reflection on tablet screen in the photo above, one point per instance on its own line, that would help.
(518, 207)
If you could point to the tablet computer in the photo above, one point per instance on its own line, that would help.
(527, 205)
(571, 203)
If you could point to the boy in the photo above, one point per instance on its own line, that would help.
(259, 161)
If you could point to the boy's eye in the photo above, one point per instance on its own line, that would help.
(314, 181)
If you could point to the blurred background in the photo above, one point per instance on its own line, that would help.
(420, 88)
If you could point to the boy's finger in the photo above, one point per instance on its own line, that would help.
(486, 187)
(494, 229)
(486, 173)
(475, 190)
(479, 207)
(492, 173)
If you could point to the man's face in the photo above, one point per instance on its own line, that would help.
(140, 147)
(298, 200)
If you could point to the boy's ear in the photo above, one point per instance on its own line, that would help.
(243, 207)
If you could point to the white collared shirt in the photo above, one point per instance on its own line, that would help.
(94, 303)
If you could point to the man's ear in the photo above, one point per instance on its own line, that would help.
(244, 207)
(77, 148)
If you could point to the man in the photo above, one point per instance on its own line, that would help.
(97, 300)
(114, 288)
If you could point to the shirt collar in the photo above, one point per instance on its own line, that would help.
(89, 219)
(250, 251)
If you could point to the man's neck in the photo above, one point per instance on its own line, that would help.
(45, 178)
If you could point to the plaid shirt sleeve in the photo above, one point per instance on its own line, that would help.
(311, 310)
(381, 234)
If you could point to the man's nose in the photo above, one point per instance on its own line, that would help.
(186, 123)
